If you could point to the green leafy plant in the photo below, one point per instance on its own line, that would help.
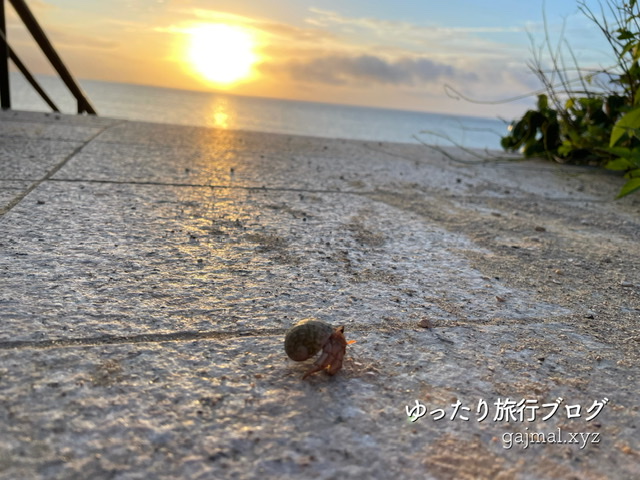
(589, 117)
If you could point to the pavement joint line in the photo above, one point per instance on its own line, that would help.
(182, 336)
(52, 171)
(186, 336)
(231, 187)
(133, 339)
(51, 139)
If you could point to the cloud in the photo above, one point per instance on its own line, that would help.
(274, 30)
(76, 39)
(327, 18)
(332, 57)
(367, 69)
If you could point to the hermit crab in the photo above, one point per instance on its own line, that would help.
(308, 336)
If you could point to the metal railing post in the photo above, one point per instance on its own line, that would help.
(34, 83)
(5, 97)
(41, 39)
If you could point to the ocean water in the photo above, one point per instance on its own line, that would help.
(184, 107)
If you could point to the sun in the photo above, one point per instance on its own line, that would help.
(221, 54)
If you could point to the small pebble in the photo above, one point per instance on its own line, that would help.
(425, 323)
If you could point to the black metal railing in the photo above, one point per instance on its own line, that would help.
(6, 53)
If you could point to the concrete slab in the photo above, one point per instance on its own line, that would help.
(145, 290)
(126, 259)
(34, 145)
(199, 156)
(232, 407)
(29, 159)
(11, 191)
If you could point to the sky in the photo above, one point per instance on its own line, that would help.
(392, 54)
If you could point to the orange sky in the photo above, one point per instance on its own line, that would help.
(339, 52)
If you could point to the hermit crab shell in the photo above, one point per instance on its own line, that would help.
(306, 338)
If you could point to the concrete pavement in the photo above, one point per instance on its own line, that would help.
(148, 274)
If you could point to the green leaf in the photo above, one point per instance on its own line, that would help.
(625, 34)
(543, 102)
(629, 122)
(636, 98)
(620, 151)
(629, 187)
(627, 48)
(619, 164)
(565, 149)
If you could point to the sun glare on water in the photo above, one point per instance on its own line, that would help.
(221, 54)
